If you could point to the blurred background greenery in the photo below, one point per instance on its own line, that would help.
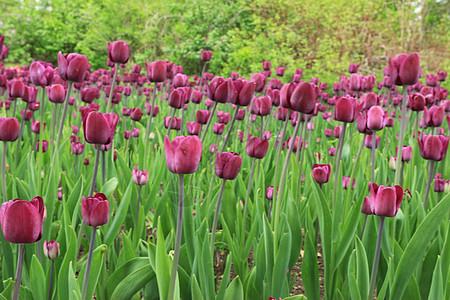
(320, 36)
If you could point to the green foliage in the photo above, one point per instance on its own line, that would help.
(321, 37)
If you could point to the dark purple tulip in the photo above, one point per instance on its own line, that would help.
(355, 82)
(9, 129)
(119, 52)
(431, 80)
(206, 55)
(347, 109)
(22, 220)
(240, 115)
(88, 95)
(44, 146)
(353, 68)
(196, 97)
(260, 80)
(202, 116)
(77, 148)
(223, 117)
(95, 210)
(433, 147)
(417, 102)
(442, 75)
(136, 114)
(56, 93)
(72, 66)
(434, 117)
(369, 100)
(280, 71)
(383, 201)
(439, 183)
(321, 173)
(176, 123)
(228, 165)
(369, 139)
(183, 154)
(328, 132)
(262, 106)
(241, 92)
(149, 109)
(156, 71)
(303, 98)
(405, 69)
(256, 147)
(266, 65)
(193, 128)
(218, 128)
(30, 94)
(180, 80)
(99, 128)
(41, 75)
(406, 153)
(346, 182)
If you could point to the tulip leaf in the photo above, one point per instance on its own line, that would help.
(69, 257)
(235, 290)
(279, 278)
(362, 269)
(120, 215)
(415, 250)
(74, 196)
(129, 267)
(437, 290)
(74, 290)
(109, 187)
(131, 284)
(98, 261)
(195, 289)
(37, 279)
(310, 268)
(206, 269)
(162, 269)
(225, 279)
(351, 276)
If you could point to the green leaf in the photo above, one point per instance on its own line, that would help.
(66, 267)
(351, 276)
(195, 289)
(119, 217)
(131, 284)
(310, 268)
(162, 265)
(98, 261)
(362, 269)
(235, 291)
(437, 290)
(129, 267)
(417, 246)
(37, 279)
(74, 290)
(225, 279)
(109, 187)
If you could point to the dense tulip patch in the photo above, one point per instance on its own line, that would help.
(206, 187)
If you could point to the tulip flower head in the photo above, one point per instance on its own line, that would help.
(99, 128)
(22, 220)
(433, 147)
(405, 69)
(383, 201)
(9, 129)
(72, 66)
(183, 154)
(256, 147)
(119, 52)
(51, 249)
(321, 173)
(139, 177)
(228, 165)
(95, 210)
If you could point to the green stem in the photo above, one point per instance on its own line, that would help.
(209, 121)
(401, 137)
(282, 182)
(113, 85)
(224, 145)
(138, 204)
(63, 118)
(247, 197)
(41, 145)
(176, 255)
(171, 120)
(88, 264)
(216, 215)
(373, 276)
(338, 160)
(18, 279)
(430, 179)
(103, 168)
(5, 195)
(50, 283)
(374, 144)
(21, 129)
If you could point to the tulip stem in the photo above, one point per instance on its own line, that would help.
(216, 215)
(88, 264)
(300, 134)
(149, 122)
(338, 160)
(5, 195)
(277, 161)
(15, 108)
(182, 120)
(176, 255)
(138, 204)
(55, 110)
(63, 118)
(374, 144)
(19, 139)
(113, 85)
(224, 145)
(173, 110)
(401, 137)
(18, 279)
(282, 182)
(211, 115)
(103, 167)
(247, 197)
(401, 174)
(430, 178)
(94, 174)
(376, 258)
(41, 129)
(50, 283)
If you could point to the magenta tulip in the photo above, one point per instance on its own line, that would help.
(256, 147)
(72, 66)
(375, 118)
(347, 109)
(405, 69)
(228, 165)
(433, 147)
(383, 201)
(95, 210)
(9, 129)
(183, 154)
(51, 249)
(119, 52)
(139, 177)
(100, 128)
(321, 173)
(56, 93)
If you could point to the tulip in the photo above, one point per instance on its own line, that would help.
(353, 68)
(119, 52)
(279, 71)
(223, 117)
(72, 66)
(95, 210)
(368, 141)
(218, 128)
(206, 55)
(139, 177)
(337, 131)
(262, 106)
(22, 220)
(36, 126)
(432, 80)
(44, 146)
(321, 173)
(406, 153)
(355, 82)
(383, 201)
(375, 118)
(347, 109)
(202, 116)
(136, 114)
(260, 80)
(41, 75)
(156, 71)
(56, 93)
(405, 69)
(51, 249)
(433, 147)
(16, 88)
(269, 193)
(100, 128)
(88, 95)
(433, 117)
(256, 147)
(439, 183)
(193, 128)
(183, 154)
(30, 94)
(332, 151)
(442, 76)
(392, 161)
(9, 129)
(149, 110)
(77, 148)
(176, 123)
(228, 165)
(346, 181)
(369, 100)
(303, 98)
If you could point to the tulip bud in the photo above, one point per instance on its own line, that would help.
(206, 55)
(139, 177)
(383, 201)
(44, 146)
(346, 181)
(439, 183)
(95, 210)
(406, 153)
(392, 161)
(228, 165)
(51, 249)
